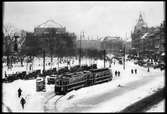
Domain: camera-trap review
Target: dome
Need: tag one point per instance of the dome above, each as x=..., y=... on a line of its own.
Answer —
x=50, y=24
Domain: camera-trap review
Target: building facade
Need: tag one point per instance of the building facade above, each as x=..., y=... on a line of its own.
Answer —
x=112, y=44
x=51, y=37
x=148, y=41
x=139, y=30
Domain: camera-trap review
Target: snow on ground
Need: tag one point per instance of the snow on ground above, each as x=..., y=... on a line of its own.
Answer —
x=106, y=97
x=38, y=65
x=160, y=107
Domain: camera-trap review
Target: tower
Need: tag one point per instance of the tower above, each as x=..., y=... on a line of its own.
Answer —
x=140, y=24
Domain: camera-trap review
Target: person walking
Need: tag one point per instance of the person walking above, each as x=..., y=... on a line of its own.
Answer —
x=148, y=70
x=19, y=92
x=131, y=71
x=115, y=73
x=5, y=75
x=118, y=73
x=22, y=101
x=135, y=71
x=110, y=65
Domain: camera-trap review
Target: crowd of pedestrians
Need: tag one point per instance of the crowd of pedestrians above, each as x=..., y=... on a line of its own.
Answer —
x=134, y=71
x=117, y=73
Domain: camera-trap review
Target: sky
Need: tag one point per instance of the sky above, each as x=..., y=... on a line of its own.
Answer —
x=95, y=19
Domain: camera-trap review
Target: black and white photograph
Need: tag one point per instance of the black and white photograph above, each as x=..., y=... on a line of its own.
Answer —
x=83, y=56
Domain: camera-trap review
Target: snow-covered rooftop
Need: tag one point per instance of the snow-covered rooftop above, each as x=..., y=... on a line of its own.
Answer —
x=110, y=38
x=144, y=36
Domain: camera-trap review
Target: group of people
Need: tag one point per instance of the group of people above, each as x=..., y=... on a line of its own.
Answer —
x=133, y=71
x=22, y=101
x=117, y=73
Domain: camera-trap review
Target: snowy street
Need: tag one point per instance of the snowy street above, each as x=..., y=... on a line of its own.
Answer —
x=106, y=97
x=83, y=57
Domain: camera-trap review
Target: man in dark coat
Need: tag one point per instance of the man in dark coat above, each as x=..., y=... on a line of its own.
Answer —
x=115, y=73
x=131, y=71
x=118, y=73
x=22, y=101
x=5, y=75
x=135, y=71
x=148, y=70
x=19, y=92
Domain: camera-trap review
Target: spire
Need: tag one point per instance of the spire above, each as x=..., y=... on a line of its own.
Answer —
x=140, y=22
x=140, y=18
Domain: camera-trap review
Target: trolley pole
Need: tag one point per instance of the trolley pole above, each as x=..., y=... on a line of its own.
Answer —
x=43, y=61
x=80, y=52
x=104, y=57
x=124, y=57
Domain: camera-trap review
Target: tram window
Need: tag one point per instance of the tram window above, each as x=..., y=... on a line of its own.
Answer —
x=65, y=82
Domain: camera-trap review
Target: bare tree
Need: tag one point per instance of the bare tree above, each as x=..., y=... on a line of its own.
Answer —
x=9, y=31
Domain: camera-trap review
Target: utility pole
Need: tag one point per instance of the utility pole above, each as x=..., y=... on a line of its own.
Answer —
x=43, y=61
x=80, y=51
x=87, y=40
x=124, y=56
x=124, y=51
x=104, y=58
x=51, y=48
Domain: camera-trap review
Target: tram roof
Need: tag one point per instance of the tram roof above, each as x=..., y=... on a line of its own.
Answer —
x=98, y=70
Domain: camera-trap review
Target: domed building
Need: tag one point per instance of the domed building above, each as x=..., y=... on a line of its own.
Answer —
x=148, y=42
x=48, y=27
x=51, y=37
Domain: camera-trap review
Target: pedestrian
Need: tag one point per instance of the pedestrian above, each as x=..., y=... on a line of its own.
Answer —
x=135, y=71
x=22, y=102
x=5, y=75
x=118, y=73
x=19, y=92
x=131, y=71
x=115, y=73
x=148, y=70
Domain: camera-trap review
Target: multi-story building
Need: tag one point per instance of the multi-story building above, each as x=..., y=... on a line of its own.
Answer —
x=139, y=30
x=89, y=44
x=51, y=37
x=112, y=44
x=153, y=42
x=148, y=41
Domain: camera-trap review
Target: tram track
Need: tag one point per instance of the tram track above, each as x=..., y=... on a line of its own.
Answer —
x=7, y=107
x=48, y=99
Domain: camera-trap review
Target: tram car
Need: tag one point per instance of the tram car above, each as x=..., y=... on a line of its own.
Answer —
x=51, y=79
x=74, y=68
x=63, y=70
x=72, y=81
x=48, y=72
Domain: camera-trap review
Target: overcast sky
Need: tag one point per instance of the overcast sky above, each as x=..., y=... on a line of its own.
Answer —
x=94, y=18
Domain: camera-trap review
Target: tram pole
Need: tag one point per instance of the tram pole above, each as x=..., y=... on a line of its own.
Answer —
x=104, y=57
x=43, y=61
x=80, y=52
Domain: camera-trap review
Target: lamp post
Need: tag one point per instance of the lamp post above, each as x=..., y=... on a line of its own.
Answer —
x=80, y=52
x=43, y=60
x=104, y=58
x=124, y=55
